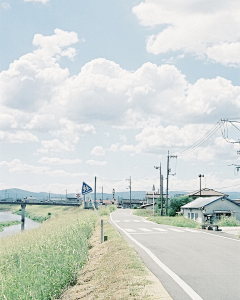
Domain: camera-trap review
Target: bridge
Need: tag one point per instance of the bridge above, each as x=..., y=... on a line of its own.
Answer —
x=24, y=202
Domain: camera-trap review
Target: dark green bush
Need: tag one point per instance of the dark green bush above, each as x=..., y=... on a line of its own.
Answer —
x=176, y=203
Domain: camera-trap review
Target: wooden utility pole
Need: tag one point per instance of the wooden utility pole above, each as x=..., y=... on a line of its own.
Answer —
x=168, y=173
x=95, y=190
x=166, y=202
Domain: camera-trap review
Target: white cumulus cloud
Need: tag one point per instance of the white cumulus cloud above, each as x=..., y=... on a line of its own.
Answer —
x=96, y=163
x=98, y=151
x=192, y=27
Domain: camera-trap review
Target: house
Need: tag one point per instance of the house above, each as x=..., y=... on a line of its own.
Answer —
x=148, y=206
x=125, y=203
x=210, y=209
x=149, y=196
x=206, y=193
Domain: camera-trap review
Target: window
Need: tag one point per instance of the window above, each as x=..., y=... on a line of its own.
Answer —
x=196, y=216
x=192, y=215
x=189, y=215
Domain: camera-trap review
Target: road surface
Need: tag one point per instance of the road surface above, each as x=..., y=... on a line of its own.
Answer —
x=190, y=263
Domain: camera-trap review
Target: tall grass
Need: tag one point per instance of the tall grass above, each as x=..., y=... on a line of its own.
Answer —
x=39, y=264
x=179, y=221
x=228, y=221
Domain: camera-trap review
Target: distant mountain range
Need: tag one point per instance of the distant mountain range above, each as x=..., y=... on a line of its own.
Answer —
x=18, y=193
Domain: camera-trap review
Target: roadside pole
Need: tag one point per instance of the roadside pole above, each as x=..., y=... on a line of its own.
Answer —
x=23, y=216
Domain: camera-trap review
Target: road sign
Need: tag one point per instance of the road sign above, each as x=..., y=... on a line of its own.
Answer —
x=86, y=189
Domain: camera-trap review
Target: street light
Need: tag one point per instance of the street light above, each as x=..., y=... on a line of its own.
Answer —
x=200, y=176
x=153, y=189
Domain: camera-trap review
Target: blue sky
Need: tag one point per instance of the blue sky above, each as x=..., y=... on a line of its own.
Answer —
x=106, y=88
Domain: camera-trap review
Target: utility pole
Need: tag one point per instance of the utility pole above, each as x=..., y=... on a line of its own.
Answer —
x=153, y=189
x=130, y=187
x=168, y=173
x=160, y=187
x=95, y=188
x=166, y=202
x=102, y=193
x=200, y=176
x=161, y=191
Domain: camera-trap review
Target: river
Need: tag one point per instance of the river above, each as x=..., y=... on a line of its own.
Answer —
x=14, y=229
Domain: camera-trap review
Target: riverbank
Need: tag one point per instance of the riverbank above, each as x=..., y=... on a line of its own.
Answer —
x=41, y=263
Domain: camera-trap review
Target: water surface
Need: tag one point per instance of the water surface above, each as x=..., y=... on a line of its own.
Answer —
x=15, y=229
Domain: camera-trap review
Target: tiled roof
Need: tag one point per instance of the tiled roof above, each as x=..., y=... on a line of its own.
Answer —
x=202, y=201
x=206, y=192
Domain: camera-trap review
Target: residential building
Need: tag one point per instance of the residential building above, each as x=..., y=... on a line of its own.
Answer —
x=206, y=193
x=210, y=209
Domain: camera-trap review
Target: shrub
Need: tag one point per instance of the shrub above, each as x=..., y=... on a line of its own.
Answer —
x=176, y=203
x=228, y=221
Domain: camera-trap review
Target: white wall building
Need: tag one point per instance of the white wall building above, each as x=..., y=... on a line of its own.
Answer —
x=210, y=209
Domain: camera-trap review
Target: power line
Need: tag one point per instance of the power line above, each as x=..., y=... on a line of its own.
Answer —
x=203, y=139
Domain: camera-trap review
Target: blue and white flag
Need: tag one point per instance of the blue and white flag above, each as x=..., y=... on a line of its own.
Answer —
x=86, y=189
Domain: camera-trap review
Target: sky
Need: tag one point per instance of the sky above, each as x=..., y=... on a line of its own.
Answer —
x=106, y=88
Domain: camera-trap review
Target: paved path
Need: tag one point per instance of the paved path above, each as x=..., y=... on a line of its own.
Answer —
x=191, y=264
x=231, y=230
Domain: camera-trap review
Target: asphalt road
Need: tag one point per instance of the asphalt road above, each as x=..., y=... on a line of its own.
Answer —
x=191, y=264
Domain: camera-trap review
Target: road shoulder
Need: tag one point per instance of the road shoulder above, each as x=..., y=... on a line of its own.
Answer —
x=115, y=271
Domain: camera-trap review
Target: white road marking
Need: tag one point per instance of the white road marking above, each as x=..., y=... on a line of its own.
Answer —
x=191, y=230
x=144, y=229
x=177, y=230
x=191, y=293
x=130, y=230
x=137, y=221
x=160, y=229
x=127, y=221
x=117, y=221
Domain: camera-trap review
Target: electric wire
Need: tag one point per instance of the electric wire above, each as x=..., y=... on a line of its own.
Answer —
x=203, y=139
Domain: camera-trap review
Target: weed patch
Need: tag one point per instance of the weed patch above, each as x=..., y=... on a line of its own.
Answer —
x=228, y=221
x=39, y=264
x=8, y=223
x=114, y=271
x=179, y=221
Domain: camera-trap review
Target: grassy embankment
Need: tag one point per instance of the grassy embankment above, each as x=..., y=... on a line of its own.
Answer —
x=114, y=271
x=40, y=263
x=179, y=221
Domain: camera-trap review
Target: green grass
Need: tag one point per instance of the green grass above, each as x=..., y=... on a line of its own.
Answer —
x=39, y=264
x=34, y=216
x=179, y=221
x=228, y=221
x=106, y=210
x=8, y=223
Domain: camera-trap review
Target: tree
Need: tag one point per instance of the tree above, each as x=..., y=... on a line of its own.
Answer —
x=176, y=203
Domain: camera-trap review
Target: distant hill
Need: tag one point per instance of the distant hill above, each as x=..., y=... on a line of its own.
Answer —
x=18, y=193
